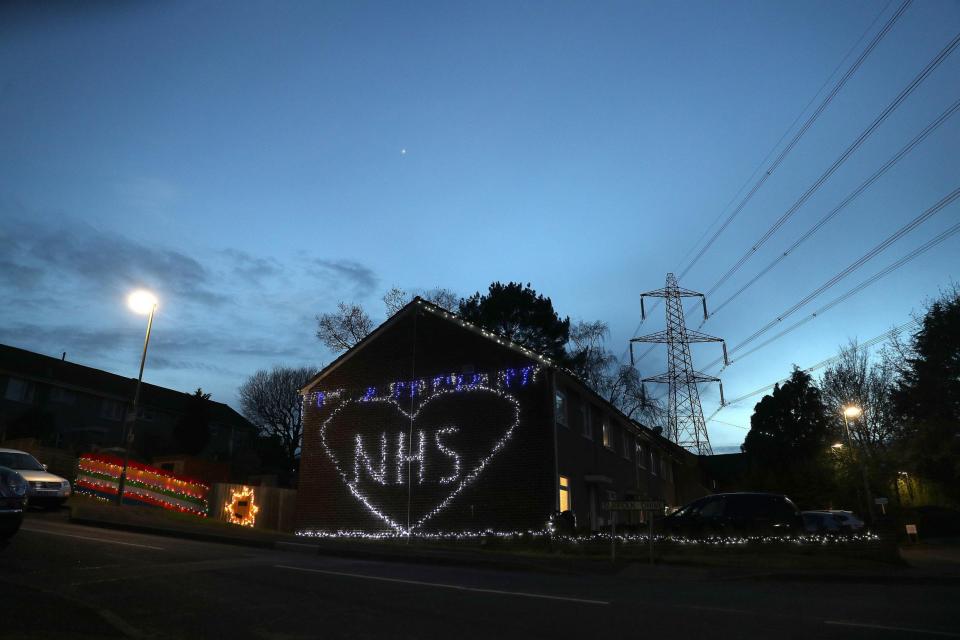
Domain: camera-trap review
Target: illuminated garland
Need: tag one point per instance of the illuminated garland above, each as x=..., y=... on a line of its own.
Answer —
x=241, y=508
x=500, y=380
x=545, y=535
x=361, y=458
x=98, y=476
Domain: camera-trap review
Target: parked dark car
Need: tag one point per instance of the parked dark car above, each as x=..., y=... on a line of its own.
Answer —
x=736, y=514
x=823, y=522
x=13, y=498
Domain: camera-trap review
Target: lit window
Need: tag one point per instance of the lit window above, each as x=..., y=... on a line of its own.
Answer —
x=585, y=425
x=607, y=439
x=560, y=407
x=564, y=494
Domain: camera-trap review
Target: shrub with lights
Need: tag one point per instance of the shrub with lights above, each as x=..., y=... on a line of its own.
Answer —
x=98, y=476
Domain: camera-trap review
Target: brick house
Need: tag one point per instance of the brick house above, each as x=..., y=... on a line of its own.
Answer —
x=78, y=408
x=431, y=424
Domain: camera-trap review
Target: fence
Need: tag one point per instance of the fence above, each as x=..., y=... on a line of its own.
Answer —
x=275, y=506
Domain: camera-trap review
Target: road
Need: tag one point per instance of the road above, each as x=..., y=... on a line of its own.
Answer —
x=59, y=580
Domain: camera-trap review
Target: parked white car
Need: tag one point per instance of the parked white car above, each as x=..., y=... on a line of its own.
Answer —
x=43, y=487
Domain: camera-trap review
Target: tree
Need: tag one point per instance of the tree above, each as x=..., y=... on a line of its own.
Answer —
x=350, y=323
x=855, y=381
x=601, y=371
x=191, y=433
x=520, y=314
x=271, y=401
x=927, y=397
x=396, y=298
x=787, y=447
x=345, y=327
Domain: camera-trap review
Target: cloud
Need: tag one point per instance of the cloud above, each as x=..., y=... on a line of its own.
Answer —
x=247, y=267
x=19, y=276
x=78, y=251
x=360, y=278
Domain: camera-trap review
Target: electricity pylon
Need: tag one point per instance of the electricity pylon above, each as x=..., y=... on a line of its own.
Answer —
x=685, y=423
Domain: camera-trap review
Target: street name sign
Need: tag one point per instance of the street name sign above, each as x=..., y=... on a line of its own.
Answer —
x=633, y=505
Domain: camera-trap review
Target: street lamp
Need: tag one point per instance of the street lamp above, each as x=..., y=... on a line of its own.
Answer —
x=852, y=412
x=142, y=302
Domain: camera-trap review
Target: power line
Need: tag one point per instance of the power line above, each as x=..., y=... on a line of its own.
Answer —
x=866, y=133
x=863, y=55
x=863, y=285
x=803, y=129
x=902, y=231
x=783, y=136
x=883, y=337
x=730, y=424
x=943, y=117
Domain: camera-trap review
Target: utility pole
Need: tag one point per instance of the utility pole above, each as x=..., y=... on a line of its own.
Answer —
x=685, y=423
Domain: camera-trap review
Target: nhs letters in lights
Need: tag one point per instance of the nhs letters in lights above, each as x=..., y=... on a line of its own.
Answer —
x=407, y=450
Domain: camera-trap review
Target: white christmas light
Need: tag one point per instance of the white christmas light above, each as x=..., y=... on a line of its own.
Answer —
x=361, y=459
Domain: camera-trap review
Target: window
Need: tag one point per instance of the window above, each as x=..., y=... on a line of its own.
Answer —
x=564, y=494
x=62, y=396
x=585, y=426
x=641, y=455
x=111, y=410
x=627, y=444
x=19, y=390
x=560, y=407
x=654, y=462
x=607, y=435
x=145, y=414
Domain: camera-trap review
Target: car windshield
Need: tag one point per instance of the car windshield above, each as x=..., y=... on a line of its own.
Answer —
x=19, y=461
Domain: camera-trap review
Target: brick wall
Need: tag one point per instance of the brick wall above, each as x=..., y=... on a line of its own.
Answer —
x=516, y=490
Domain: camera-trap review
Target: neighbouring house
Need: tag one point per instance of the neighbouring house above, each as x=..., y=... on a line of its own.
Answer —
x=70, y=406
x=433, y=425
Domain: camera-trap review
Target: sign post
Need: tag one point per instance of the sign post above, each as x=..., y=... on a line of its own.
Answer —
x=883, y=504
x=613, y=536
x=647, y=506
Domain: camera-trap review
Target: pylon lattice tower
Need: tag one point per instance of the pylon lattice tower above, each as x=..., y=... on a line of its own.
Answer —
x=685, y=424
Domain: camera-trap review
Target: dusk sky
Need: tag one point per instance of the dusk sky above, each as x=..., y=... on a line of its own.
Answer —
x=256, y=163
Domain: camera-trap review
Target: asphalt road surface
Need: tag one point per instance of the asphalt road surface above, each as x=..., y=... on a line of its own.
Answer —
x=59, y=580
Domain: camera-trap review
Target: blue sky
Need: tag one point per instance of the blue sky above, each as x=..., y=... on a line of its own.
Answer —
x=246, y=161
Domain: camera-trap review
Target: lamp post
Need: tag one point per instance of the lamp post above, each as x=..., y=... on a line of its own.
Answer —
x=142, y=302
x=852, y=412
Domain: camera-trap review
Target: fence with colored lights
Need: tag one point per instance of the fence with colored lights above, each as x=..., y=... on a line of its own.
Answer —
x=98, y=475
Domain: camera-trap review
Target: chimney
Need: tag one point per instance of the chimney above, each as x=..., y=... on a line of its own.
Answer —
x=63, y=358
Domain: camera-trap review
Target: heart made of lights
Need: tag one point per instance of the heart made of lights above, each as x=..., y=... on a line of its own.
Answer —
x=391, y=405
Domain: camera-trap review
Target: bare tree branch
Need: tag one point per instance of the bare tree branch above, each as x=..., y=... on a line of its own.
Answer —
x=271, y=401
x=343, y=328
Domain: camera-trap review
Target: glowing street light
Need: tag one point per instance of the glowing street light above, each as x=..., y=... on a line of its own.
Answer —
x=143, y=302
x=837, y=445
x=852, y=412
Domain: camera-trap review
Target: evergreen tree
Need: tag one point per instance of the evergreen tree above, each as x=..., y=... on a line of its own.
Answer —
x=927, y=398
x=788, y=445
x=520, y=314
x=191, y=433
